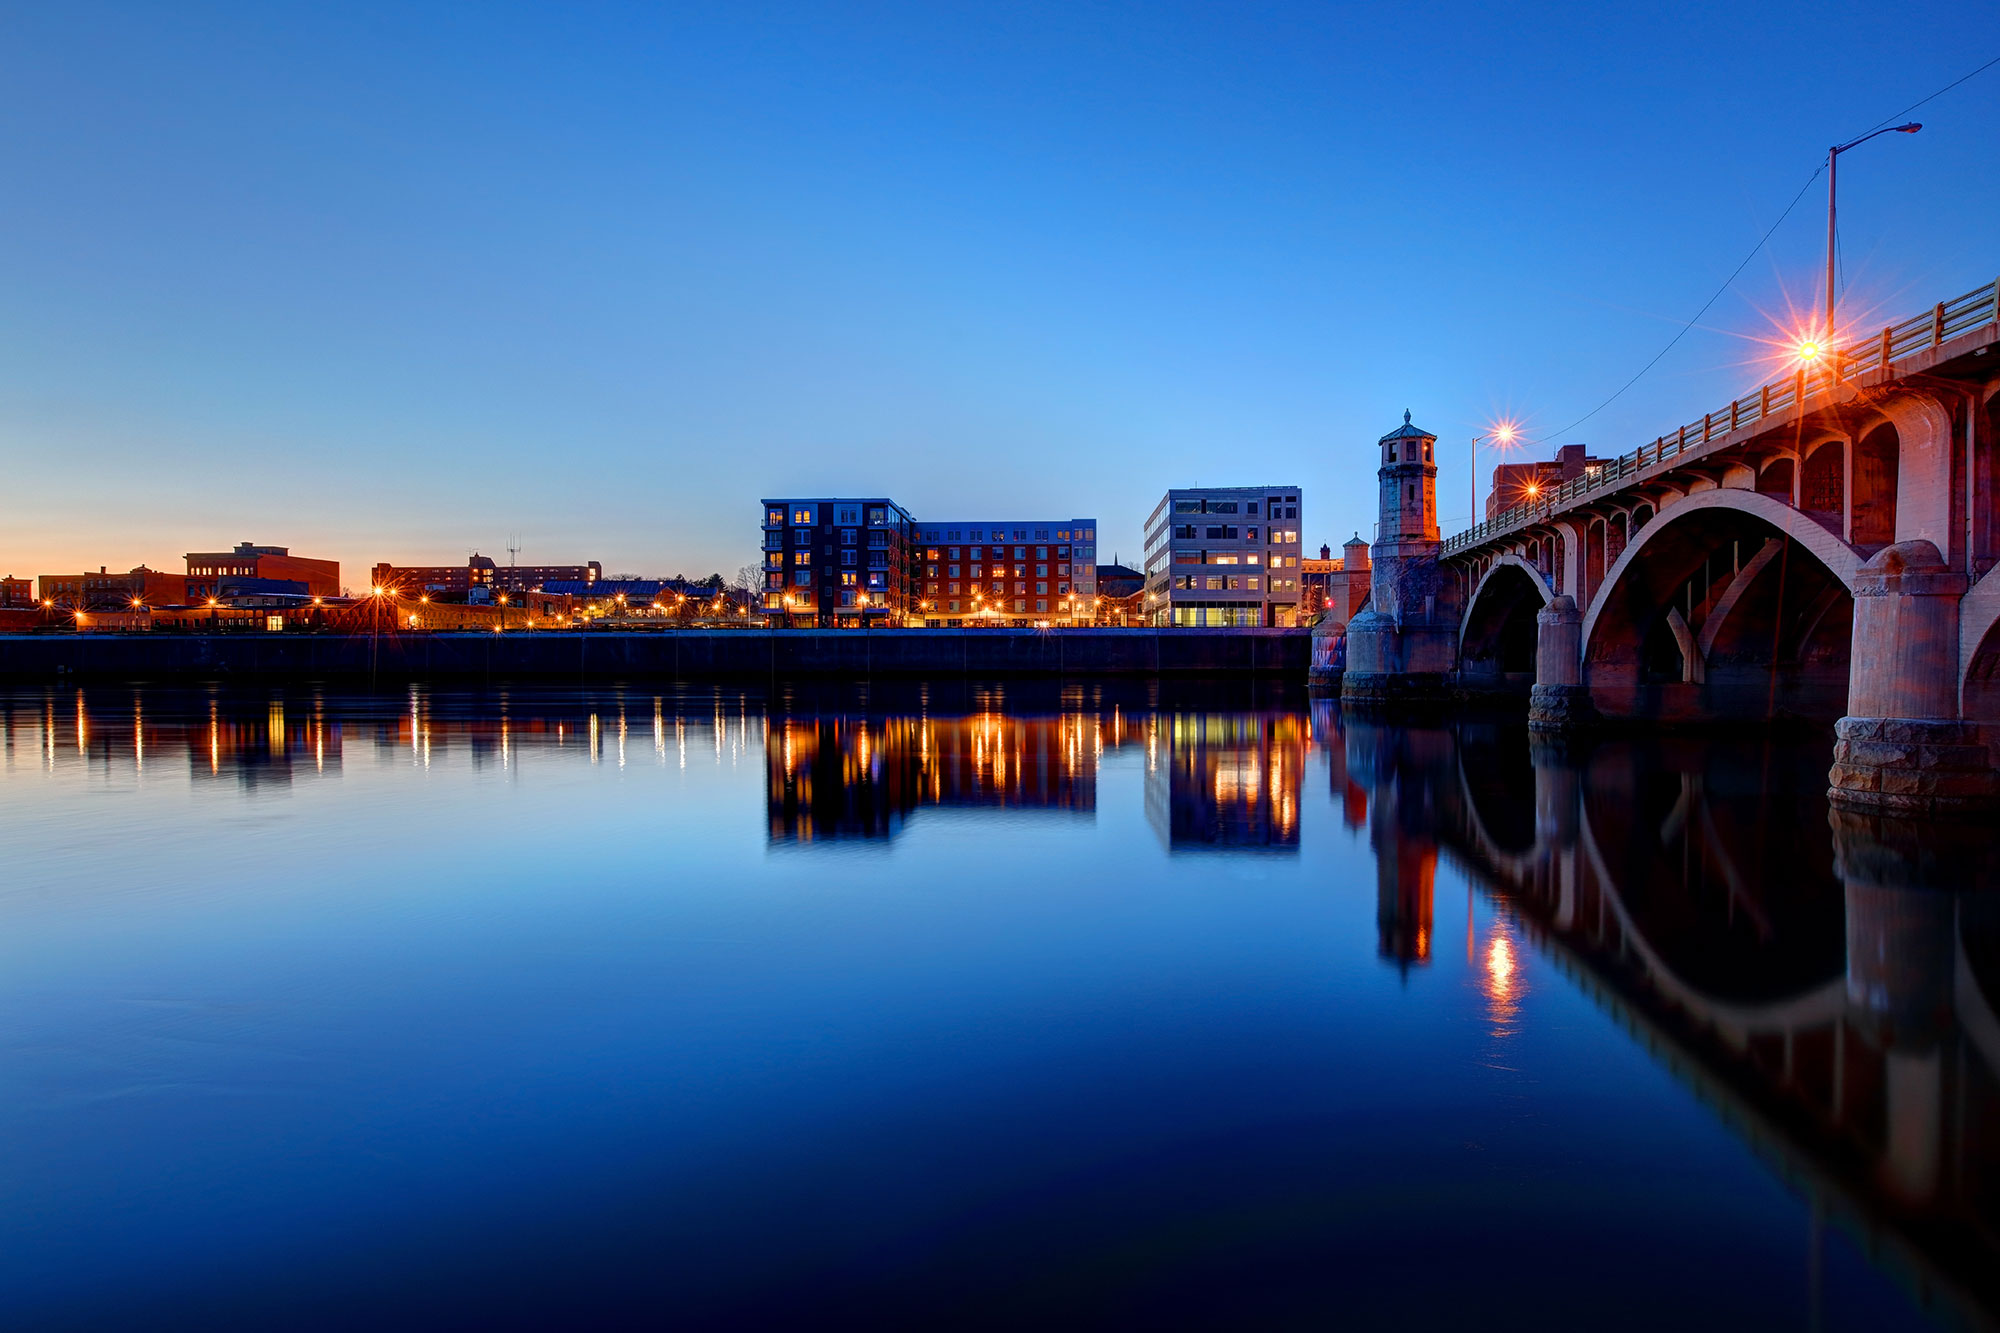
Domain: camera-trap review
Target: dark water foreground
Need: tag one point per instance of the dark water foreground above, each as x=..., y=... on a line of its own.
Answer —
x=1003, y=1005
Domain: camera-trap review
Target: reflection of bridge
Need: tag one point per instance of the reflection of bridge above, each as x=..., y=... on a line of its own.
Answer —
x=1829, y=996
x=1821, y=547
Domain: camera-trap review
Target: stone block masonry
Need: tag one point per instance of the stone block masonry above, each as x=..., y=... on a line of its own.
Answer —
x=687, y=654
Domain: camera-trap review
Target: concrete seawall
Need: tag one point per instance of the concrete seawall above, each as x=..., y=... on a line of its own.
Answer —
x=693, y=654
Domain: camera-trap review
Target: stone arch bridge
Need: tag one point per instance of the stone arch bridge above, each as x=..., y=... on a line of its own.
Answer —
x=1823, y=548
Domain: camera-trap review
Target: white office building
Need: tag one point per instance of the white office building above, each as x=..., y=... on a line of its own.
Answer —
x=1224, y=556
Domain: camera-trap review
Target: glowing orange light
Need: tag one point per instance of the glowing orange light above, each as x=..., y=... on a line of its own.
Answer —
x=1506, y=432
x=1807, y=351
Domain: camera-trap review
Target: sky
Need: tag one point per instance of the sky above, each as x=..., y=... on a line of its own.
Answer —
x=398, y=282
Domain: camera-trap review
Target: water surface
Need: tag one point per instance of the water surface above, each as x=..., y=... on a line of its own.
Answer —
x=968, y=1005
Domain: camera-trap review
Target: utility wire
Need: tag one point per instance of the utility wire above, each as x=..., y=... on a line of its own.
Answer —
x=1675, y=340
x=1754, y=250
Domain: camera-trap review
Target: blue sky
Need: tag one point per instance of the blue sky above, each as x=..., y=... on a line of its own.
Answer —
x=398, y=281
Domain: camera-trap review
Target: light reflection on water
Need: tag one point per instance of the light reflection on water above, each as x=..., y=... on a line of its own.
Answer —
x=970, y=1004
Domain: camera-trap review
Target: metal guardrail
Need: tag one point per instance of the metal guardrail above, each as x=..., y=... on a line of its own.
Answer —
x=1920, y=333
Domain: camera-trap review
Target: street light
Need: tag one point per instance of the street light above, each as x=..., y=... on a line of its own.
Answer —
x=1503, y=435
x=1832, y=162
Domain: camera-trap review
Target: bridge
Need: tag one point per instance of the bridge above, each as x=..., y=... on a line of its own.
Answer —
x=1822, y=549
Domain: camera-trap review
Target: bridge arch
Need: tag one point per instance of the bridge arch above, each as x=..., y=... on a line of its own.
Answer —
x=1729, y=602
x=1496, y=639
x=1979, y=650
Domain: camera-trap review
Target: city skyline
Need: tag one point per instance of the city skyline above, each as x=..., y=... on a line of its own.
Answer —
x=400, y=285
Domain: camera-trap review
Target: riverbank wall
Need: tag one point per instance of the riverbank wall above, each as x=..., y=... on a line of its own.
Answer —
x=687, y=654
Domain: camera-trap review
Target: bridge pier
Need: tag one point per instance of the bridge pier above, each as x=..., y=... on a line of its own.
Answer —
x=1902, y=746
x=1560, y=701
x=1404, y=648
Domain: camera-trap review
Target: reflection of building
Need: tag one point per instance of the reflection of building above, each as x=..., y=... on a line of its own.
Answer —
x=1006, y=573
x=1227, y=780
x=1224, y=556
x=260, y=569
x=862, y=777
x=1405, y=886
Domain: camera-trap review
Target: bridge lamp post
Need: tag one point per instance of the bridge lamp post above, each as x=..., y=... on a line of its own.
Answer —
x=1832, y=162
x=1504, y=436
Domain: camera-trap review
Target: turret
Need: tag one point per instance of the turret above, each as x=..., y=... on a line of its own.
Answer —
x=1409, y=485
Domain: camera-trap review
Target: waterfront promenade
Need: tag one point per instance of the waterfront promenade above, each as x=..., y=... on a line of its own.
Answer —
x=687, y=654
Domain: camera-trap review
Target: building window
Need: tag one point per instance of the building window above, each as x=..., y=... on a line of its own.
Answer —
x=1041, y=604
x=954, y=587
x=802, y=577
x=847, y=557
x=802, y=517
x=1042, y=587
x=975, y=571
x=802, y=557
x=1020, y=603
x=954, y=605
x=1042, y=552
x=847, y=578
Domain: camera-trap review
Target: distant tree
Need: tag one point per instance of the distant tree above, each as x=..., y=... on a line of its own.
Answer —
x=749, y=579
x=713, y=583
x=627, y=577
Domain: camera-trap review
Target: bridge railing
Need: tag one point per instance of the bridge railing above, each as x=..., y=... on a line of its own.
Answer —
x=1919, y=333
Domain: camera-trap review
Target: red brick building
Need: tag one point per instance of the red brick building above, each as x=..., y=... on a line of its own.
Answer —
x=1515, y=484
x=107, y=591
x=209, y=573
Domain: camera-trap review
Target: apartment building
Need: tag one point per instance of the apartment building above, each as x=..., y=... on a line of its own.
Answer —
x=1023, y=571
x=835, y=562
x=480, y=572
x=1224, y=556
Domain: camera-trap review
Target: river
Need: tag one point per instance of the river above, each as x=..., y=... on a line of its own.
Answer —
x=972, y=1005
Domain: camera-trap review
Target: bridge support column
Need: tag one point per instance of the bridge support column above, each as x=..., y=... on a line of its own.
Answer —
x=1901, y=746
x=1560, y=701
x=1329, y=655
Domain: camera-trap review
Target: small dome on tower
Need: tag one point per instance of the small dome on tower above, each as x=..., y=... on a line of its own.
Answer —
x=1407, y=432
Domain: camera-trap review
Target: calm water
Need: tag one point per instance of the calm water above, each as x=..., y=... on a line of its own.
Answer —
x=957, y=1007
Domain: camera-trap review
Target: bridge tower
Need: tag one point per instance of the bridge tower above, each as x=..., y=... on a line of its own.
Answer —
x=1405, y=645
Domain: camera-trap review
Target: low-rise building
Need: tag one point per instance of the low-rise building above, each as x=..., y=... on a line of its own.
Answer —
x=1516, y=484
x=16, y=592
x=213, y=573
x=1021, y=571
x=1224, y=556
x=1335, y=586
x=1121, y=595
x=839, y=562
x=105, y=590
x=478, y=572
